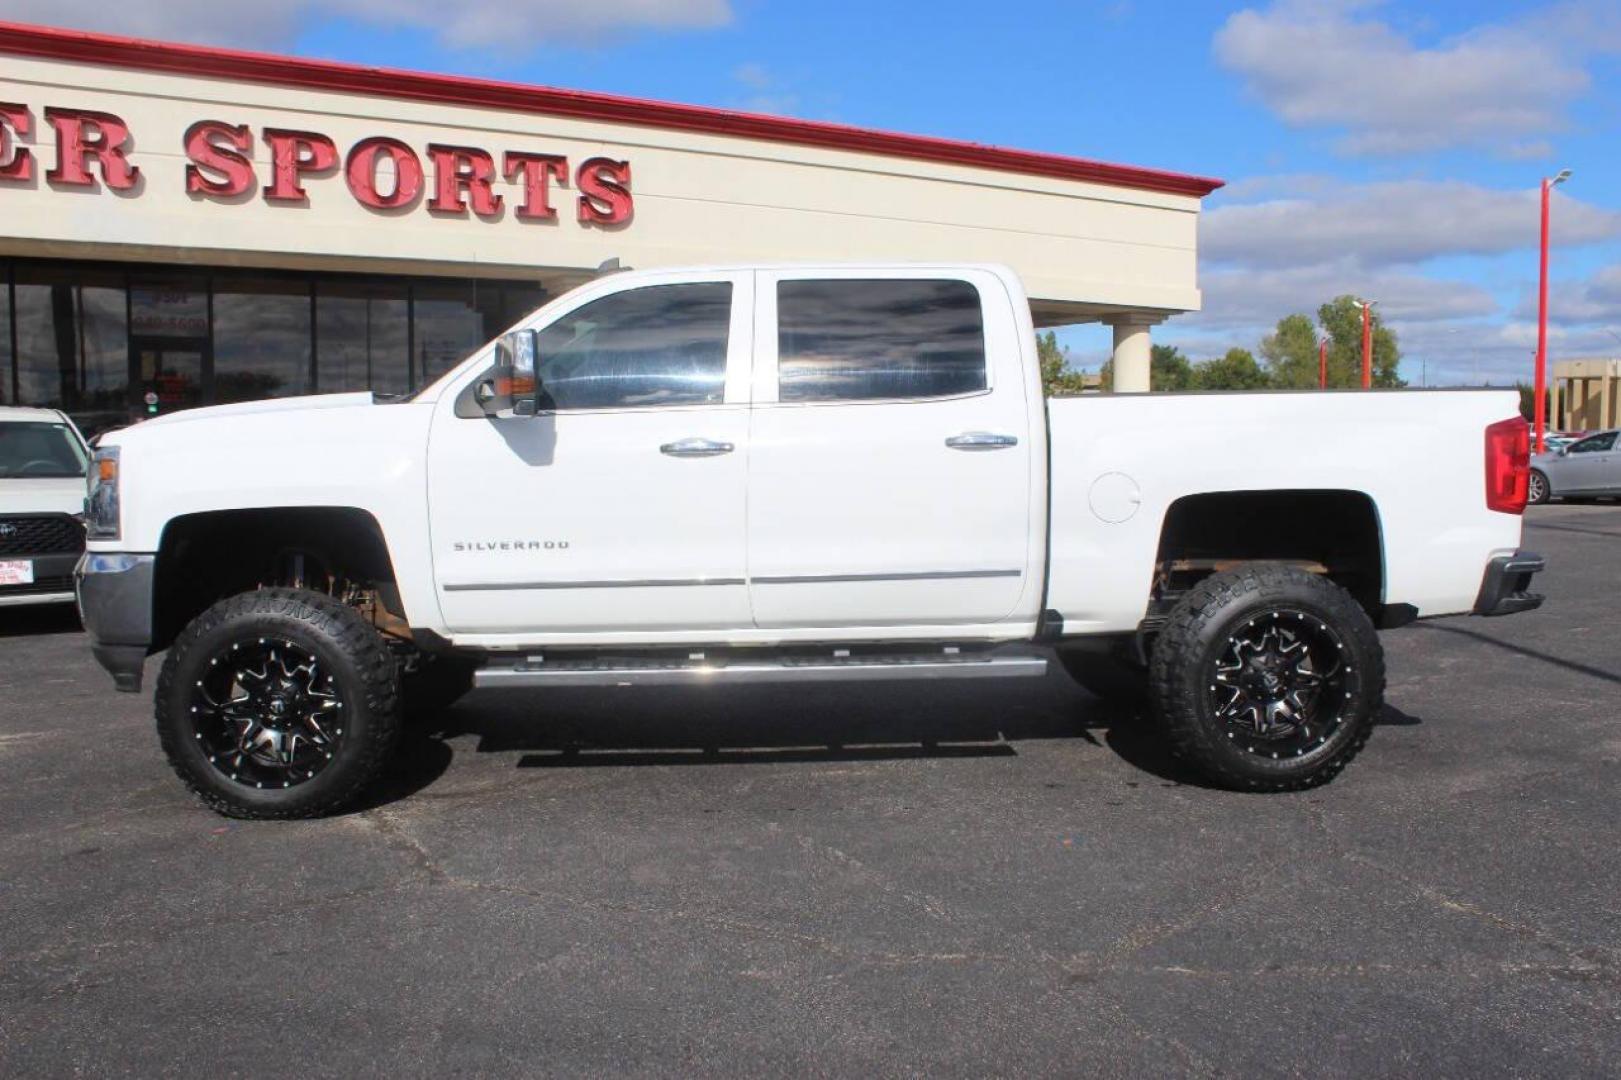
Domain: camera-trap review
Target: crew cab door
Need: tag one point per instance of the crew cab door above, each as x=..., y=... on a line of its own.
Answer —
x=890, y=476
x=619, y=507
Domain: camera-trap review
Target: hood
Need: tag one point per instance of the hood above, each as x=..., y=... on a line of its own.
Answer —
x=42, y=495
x=308, y=403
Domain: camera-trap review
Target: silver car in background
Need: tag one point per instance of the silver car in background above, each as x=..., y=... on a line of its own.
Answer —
x=1591, y=466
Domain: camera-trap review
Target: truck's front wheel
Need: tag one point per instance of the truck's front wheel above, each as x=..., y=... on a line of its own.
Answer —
x=1267, y=678
x=278, y=703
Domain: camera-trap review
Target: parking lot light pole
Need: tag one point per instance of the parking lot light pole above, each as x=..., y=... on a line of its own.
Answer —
x=1540, y=405
x=1322, y=364
x=1367, y=341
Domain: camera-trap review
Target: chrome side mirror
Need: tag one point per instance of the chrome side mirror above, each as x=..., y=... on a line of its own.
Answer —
x=512, y=386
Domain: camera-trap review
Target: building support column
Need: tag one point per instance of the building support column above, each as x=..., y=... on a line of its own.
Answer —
x=1133, y=352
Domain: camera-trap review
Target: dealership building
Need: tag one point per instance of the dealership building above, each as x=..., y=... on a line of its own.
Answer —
x=183, y=225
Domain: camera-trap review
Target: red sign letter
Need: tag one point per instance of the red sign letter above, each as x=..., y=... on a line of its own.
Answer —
x=538, y=171
x=83, y=135
x=456, y=168
x=219, y=148
x=361, y=173
x=292, y=154
x=604, y=191
x=16, y=163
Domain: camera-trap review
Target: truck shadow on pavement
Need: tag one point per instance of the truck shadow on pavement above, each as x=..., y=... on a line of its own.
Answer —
x=746, y=726
x=31, y=620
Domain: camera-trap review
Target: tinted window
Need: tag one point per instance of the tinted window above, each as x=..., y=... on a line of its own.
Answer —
x=1594, y=444
x=261, y=338
x=657, y=345
x=362, y=337
x=853, y=340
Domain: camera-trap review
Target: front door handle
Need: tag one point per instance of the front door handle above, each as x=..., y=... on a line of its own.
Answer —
x=981, y=440
x=696, y=447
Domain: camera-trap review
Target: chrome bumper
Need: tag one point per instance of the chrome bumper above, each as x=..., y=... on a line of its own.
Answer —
x=114, y=591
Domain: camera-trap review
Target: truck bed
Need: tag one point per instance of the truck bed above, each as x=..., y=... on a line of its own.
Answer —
x=1119, y=462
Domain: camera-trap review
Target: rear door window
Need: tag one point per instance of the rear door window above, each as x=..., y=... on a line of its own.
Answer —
x=878, y=339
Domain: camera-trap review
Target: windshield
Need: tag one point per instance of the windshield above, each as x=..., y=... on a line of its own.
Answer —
x=39, y=450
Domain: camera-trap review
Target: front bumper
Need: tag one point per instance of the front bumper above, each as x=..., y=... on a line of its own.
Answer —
x=53, y=580
x=1505, y=589
x=115, y=602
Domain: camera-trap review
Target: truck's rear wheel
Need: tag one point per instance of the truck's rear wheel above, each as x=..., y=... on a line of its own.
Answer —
x=1267, y=678
x=278, y=703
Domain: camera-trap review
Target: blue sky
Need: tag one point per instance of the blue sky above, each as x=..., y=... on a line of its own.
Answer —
x=1387, y=149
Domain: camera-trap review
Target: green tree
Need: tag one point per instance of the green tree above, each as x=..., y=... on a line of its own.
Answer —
x=1342, y=319
x=1058, y=379
x=1290, y=352
x=1236, y=370
x=1169, y=369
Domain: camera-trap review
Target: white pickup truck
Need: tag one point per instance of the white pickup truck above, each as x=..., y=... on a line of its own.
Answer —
x=785, y=473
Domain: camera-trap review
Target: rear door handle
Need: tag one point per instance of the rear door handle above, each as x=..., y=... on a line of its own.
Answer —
x=981, y=440
x=696, y=447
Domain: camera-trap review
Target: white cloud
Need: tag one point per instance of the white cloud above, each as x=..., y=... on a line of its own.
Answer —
x=766, y=92
x=1258, y=298
x=1593, y=301
x=1504, y=87
x=1406, y=221
x=753, y=75
x=466, y=24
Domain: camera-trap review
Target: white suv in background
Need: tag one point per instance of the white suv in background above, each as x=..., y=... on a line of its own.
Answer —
x=42, y=464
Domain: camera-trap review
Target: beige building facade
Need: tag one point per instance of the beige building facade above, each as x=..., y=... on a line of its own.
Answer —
x=181, y=175
x=1586, y=394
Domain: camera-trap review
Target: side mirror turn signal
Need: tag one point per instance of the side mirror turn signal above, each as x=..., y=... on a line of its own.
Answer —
x=512, y=388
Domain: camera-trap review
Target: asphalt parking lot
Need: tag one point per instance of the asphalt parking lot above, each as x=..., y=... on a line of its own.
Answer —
x=953, y=879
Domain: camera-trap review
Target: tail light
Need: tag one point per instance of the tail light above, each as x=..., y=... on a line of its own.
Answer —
x=1508, y=465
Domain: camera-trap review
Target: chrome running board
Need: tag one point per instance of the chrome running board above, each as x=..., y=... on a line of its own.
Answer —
x=699, y=670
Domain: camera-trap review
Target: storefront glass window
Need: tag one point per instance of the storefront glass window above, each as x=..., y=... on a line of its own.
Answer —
x=448, y=328
x=103, y=399
x=72, y=349
x=502, y=305
x=169, y=340
x=111, y=344
x=5, y=335
x=361, y=338
x=261, y=338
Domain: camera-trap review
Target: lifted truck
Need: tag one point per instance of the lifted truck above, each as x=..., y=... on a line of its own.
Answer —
x=804, y=473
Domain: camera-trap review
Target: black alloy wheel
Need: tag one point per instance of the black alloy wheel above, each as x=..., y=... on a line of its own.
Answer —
x=1279, y=684
x=1267, y=678
x=267, y=713
x=278, y=703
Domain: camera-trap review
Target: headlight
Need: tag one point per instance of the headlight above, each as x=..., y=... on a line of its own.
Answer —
x=101, y=504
